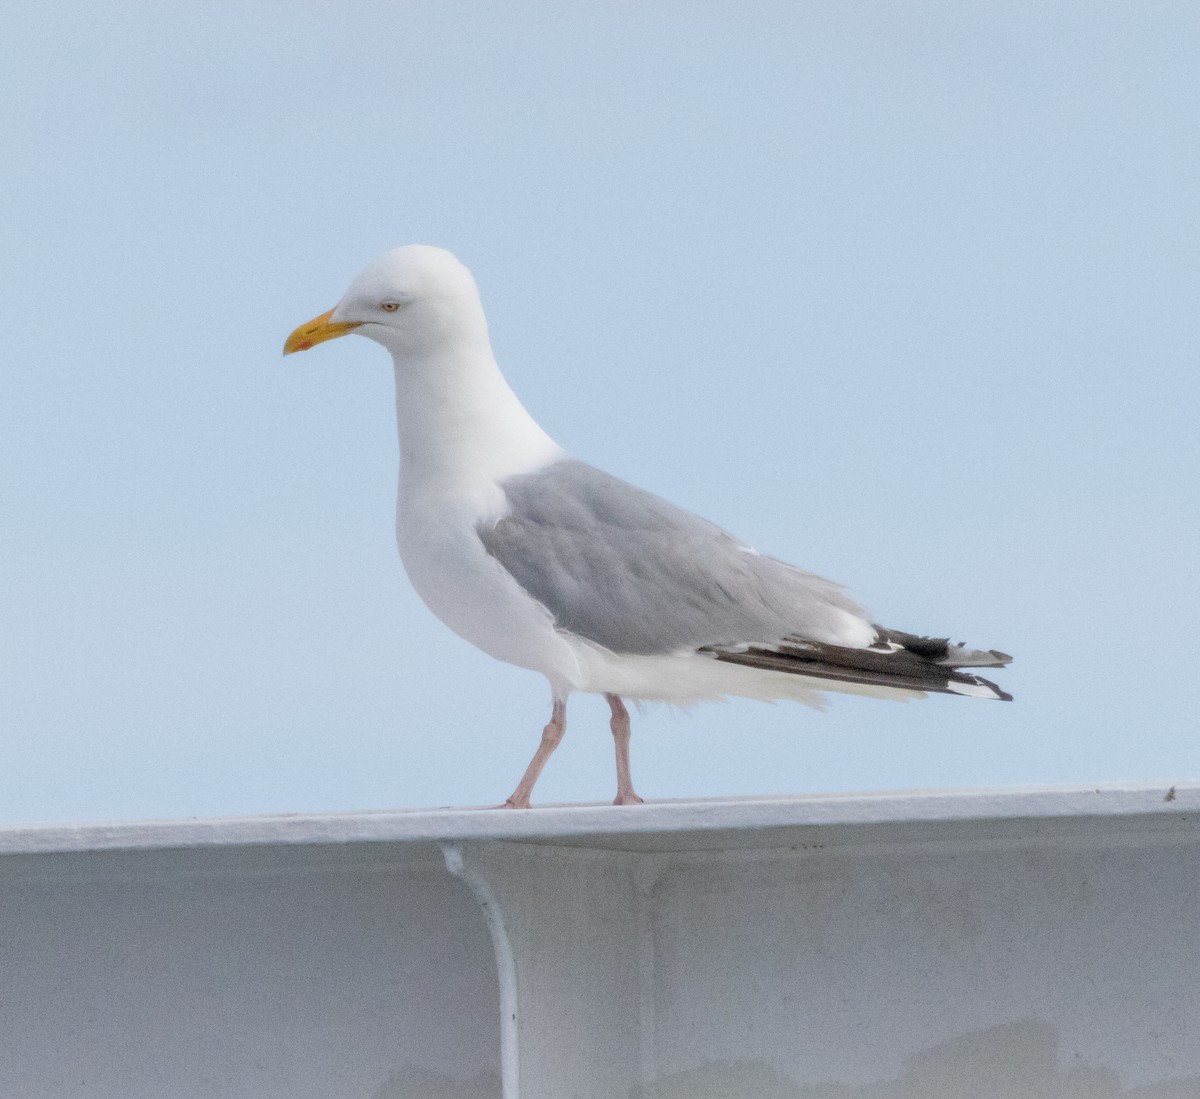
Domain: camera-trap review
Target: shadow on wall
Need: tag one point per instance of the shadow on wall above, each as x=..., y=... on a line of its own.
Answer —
x=1013, y=1061
x=415, y=1083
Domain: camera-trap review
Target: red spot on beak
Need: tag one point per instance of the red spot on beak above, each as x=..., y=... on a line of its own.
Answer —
x=303, y=346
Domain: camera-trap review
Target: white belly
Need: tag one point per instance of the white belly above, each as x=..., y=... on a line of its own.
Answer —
x=473, y=594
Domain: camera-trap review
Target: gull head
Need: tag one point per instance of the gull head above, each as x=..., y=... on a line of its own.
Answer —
x=413, y=300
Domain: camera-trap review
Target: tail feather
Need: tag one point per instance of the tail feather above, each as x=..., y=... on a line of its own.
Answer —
x=901, y=660
x=939, y=650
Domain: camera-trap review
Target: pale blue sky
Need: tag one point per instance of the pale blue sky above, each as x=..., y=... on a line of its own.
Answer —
x=906, y=293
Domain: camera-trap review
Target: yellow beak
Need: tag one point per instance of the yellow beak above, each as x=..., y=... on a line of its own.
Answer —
x=318, y=330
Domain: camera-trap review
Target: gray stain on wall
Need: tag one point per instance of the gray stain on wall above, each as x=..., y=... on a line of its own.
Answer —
x=1014, y=1061
x=1017, y=1060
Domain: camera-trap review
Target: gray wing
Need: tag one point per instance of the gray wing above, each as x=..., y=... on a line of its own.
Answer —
x=632, y=572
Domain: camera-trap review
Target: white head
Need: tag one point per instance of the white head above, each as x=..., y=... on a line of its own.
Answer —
x=455, y=411
x=415, y=300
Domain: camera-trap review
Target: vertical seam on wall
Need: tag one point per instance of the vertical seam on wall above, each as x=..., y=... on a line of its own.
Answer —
x=647, y=870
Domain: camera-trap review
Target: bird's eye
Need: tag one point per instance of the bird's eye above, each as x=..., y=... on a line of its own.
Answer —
x=390, y=306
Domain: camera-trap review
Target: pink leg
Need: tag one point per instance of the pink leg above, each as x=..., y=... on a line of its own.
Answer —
x=552, y=736
x=626, y=795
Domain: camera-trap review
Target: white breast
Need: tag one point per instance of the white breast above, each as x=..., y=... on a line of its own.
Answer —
x=473, y=594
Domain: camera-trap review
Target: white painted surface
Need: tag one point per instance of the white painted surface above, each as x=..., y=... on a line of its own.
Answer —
x=247, y=973
x=1000, y=945
x=670, y=821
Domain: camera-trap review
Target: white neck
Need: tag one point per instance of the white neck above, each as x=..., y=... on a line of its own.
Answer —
x=460, y=425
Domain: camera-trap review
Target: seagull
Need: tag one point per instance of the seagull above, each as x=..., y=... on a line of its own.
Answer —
x=546, y=562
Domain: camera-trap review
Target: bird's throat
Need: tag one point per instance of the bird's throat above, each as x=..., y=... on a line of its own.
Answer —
x=459, y=422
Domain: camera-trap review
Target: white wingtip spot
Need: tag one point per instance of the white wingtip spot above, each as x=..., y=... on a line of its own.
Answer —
x=974, y=690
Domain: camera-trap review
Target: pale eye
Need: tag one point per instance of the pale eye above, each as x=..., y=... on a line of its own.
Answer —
x=390, y=306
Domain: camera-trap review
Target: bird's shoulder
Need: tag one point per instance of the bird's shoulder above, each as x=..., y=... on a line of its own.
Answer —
x=573, y=495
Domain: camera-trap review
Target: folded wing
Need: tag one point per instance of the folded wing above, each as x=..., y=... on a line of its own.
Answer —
x=634, y=573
